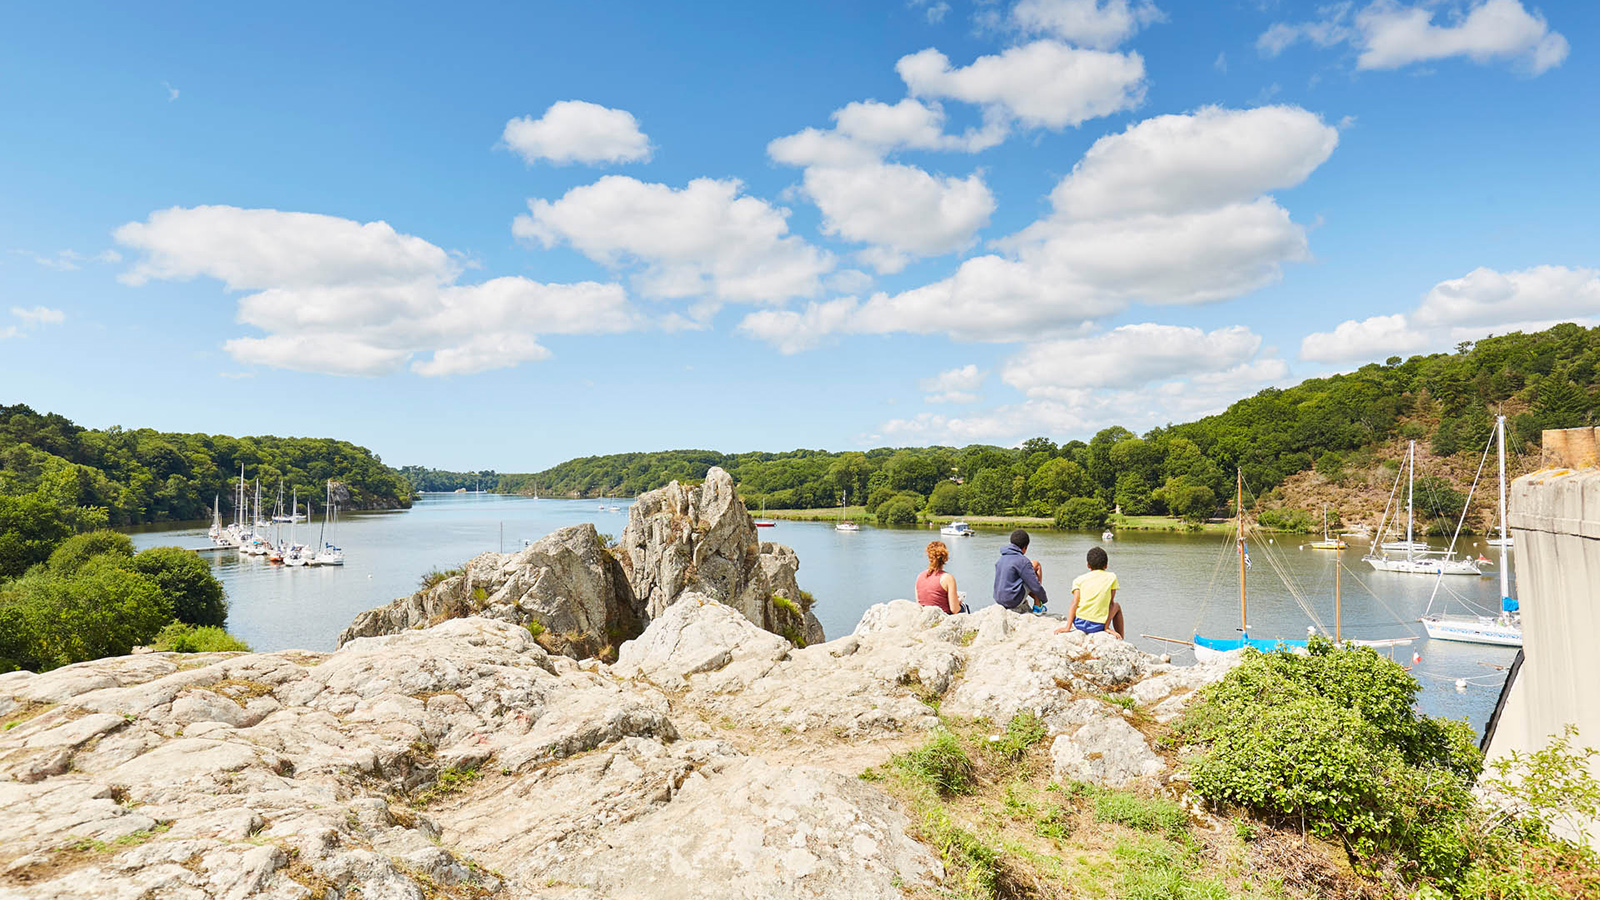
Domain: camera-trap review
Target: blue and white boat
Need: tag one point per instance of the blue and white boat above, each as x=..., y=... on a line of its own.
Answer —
x=1207, y=649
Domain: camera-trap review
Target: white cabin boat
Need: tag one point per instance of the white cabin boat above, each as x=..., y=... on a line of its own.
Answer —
x=957, y=529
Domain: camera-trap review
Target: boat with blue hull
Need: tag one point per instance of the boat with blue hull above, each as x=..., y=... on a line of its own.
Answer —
x=1207, y=649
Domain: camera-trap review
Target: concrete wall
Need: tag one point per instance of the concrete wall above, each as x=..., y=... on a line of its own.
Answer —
x=1555, y=520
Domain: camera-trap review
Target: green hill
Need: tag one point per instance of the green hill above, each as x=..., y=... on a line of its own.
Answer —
x=1301, y=445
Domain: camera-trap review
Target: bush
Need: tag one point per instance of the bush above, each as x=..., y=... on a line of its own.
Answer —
x=181, y=638
x=73, y=552
x=1295, y=520
x=31, y=526
x=941, y=764
x=48, y=619
x=1082, y=513
x=1329, y=738
x=196, y=594
x=897, y=510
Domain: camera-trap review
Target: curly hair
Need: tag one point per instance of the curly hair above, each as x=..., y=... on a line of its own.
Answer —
x=938, y=553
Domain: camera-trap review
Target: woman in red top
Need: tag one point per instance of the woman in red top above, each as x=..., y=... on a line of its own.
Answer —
x=936, y=587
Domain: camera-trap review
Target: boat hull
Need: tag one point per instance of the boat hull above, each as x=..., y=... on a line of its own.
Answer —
x=1425, y=566
x=1209, y=649
x=1473, y=630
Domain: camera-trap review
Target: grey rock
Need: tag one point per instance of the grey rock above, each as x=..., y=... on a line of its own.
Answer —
x=566, y=585
x=1105, y=751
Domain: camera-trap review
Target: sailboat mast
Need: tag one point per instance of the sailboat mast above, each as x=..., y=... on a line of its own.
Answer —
x=1244, y=619
x=1411, y=478
x=1505, y=577
x=1338, y=610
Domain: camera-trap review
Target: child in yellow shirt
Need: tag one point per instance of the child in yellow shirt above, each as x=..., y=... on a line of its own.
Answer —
x=1094, y=599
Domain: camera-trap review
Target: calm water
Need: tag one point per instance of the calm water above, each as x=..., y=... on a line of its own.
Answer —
x=1172, y=584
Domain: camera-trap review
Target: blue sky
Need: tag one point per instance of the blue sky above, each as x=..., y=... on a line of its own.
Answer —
x=504, y=235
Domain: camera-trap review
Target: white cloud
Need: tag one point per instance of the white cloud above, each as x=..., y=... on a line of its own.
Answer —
x=1202, y=160
x=1487, y=297
x=9, y=332
x=172, y=92
x=1482, y=302
x=955, y=386
x=1102, y=24
x=935, y=10
x=707, y=240
x=1083, y=412
x=349, y=298
x=577, y=131
x=39, y=315
x=1045, y=84
x=70, y=260
x=791, y=331
x=1390, y=34
x=1375, y=338
x=1129, y=356
x=1167, y=212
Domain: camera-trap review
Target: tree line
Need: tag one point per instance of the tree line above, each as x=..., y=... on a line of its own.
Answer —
x=140, y=475
x=1332, y=425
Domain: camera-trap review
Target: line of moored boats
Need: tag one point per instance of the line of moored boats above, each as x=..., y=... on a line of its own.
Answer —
x=253, y=535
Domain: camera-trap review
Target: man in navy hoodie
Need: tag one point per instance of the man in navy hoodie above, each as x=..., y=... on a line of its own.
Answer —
x=1016, y=577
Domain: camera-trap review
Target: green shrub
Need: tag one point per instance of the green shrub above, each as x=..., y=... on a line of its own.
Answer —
x=1082, y=513
x=196, y=594
x=48, y=619
x=945, y=499
x=941, y=764
x=180, y=637
x=1295, y=520
x=897, y=510
x=73, y=552
x=1329, y=738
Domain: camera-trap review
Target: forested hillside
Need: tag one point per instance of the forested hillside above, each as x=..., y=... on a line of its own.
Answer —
x=1344, y=430
x=142, y=475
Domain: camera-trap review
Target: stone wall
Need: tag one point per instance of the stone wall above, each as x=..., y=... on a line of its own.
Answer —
x=1555, y=522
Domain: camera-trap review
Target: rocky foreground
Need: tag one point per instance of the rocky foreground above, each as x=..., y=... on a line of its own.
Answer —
x=713, y=759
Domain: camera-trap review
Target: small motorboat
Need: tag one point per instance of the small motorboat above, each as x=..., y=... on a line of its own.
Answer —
x=957, y=529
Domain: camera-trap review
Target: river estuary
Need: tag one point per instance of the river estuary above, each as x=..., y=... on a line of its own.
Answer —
x=1171, y=584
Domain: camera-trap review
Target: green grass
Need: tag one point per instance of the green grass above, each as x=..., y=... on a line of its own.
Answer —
x=941, y=764
x=450, y=780
x=180, y=637
x=1164, y=523
x=1149, y=814
x=1156, y=869
x=1023, y=731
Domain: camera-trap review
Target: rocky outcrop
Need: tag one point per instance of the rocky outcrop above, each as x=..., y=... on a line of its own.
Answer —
x=464, y=759
x=701, y=539
x=566, y=587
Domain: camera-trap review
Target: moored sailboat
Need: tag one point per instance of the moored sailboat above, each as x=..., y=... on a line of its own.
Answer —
x=1207, y=649
x=1419, y=560
x=844, y=516
x=1505, y=629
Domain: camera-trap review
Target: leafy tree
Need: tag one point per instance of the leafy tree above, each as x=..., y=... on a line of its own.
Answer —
x=1133, y=494
x=1057, y=480
x=1082, y=514
x=72, y=553
x=945, y=499
x=1187, y=500
x=900, y=509
x=195, y=593
x=30, y=528
x=989, y=493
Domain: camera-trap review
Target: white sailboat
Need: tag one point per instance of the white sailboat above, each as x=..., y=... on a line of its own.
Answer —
x=296, y=554
x=844, y=517
x=1419, y=560
x=327, y=554
x=1327, y=543
x=1505, y=629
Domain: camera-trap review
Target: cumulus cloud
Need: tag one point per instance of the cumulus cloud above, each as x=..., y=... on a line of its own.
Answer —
x=1101, y=24
x=1373, y=338
x=1129, y=356
x=39, y=315
x=1390, y=34
x=342, y=297
x=1482, y=302
x=1083, y=412
x=1045, y=84
x=706, y=240
x=792, y=331
x=1169, y=211
x=955, y=386
x=575, y=131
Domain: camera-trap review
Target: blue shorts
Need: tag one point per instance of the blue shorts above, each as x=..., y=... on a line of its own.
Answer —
x=1088, y=627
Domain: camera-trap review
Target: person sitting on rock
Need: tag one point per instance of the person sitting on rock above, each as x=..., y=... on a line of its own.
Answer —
x=1016, y=577
x=1094, y=599
x=936, y=587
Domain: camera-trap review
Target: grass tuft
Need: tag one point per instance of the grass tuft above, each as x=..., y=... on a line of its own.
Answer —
x=941, y=764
